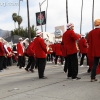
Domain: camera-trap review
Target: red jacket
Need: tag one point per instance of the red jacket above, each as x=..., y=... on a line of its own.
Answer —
x=2, y=52
x=30, y=49
x=20, y=49
x=94, y=42
x=10, y=52
x=69, y=40
x=58, y=49
x=64, y=54
x=83, y=45
x=40, y=47
x=53, y=47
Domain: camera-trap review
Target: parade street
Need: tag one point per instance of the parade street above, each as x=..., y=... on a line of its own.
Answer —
x=17, y=84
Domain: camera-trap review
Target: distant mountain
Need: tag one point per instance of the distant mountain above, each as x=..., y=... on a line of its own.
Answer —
x=5, y=33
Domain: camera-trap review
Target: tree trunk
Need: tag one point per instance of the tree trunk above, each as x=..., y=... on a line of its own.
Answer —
x=15, y=24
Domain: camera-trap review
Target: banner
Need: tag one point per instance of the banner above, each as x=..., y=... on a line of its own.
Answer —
x=40, y=18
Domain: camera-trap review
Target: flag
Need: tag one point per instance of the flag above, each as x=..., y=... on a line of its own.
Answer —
x=40, y=18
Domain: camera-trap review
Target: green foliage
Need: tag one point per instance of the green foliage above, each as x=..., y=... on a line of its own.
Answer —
x=24, y=32
x=20, y=31
x=14, y=17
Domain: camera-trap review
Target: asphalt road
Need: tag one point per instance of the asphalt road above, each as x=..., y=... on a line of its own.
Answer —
x=17, y=84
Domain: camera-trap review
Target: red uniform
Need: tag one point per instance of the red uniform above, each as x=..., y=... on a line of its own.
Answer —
x=2, y=52
x=40, y=48
x=94, y=47
x=83, y=45
x=30, y=50
x=58, y=49
x=20, y=49
x=10, y=54
x=69, y=40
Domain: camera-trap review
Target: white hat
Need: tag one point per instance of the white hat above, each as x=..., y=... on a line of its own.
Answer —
x=82, y=35
x=27, y=38
x=69, y=25
x=38, y=33
x=20, y=39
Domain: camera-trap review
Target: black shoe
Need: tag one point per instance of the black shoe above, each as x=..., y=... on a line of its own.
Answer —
x=43, y=77
x=26, y=69
x=32, y=70
x=93, y=80
x=89, y=70
x=77, y=78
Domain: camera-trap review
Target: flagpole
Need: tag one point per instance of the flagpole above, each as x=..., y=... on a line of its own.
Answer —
x=40, y=18
x=40, y=4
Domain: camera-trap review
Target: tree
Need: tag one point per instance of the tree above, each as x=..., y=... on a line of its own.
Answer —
x=14, y=17
x=19, y=20
x=24, y=32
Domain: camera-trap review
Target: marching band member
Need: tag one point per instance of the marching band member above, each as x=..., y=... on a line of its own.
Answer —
x=94, y=48
x=9, y=55
x=31, y=54
x=40, y=53
x=21, y=51
x=58, y=52
x=2, y=54
x=69, y=40
x=83, y=47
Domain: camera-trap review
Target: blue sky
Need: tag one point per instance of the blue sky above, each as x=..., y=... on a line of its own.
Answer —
x=56, y=14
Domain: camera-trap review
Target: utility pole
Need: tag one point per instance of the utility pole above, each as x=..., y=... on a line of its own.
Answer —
x=93, y=15
x=67, y=11
x=40, y=4
x=46, y=16
x=81, y=18
x=40, y=18
x=28, y=22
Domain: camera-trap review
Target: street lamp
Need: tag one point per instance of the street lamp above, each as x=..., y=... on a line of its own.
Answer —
x=28, y=22
x=40, y=4
x=19, y=7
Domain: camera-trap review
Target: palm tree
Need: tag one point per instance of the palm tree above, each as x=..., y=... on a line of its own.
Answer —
x=19, y=20
x=14, y=17
x=67, y=11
